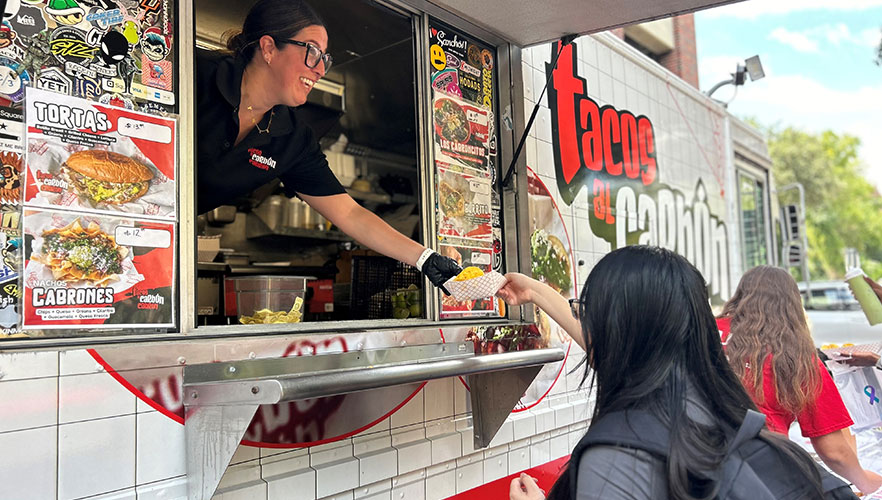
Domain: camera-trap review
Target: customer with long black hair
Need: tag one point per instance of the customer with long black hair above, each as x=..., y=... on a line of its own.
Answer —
x=651, y=344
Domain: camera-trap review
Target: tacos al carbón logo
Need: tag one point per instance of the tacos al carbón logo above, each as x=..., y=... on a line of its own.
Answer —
x=592, y=141
x=612, y=152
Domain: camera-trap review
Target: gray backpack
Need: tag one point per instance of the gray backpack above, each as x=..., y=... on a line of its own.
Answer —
x=751, y=470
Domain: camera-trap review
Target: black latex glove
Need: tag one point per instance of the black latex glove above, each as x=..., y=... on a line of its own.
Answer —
x=439, y=269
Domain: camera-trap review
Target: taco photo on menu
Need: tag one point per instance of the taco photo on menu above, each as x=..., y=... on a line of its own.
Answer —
x=107, y=177
x=451, y=121
x=77, y=254
x=550, y=260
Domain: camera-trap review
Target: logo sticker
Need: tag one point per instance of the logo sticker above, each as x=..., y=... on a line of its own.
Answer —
x=258, y=160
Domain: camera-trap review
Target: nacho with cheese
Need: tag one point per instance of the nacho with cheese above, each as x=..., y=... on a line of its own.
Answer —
x=74, y=254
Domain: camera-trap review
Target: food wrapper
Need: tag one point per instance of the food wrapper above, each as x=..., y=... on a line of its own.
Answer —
x=476, y=288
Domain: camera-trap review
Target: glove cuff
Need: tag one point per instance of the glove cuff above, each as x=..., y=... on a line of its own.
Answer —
x=423, y=258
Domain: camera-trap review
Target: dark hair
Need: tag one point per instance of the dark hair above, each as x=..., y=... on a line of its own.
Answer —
x=280, y=19
x=650, y=332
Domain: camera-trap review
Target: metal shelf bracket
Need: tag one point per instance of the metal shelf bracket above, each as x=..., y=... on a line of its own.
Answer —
x=220, y=399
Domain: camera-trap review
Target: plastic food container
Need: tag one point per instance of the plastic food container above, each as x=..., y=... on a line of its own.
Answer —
x=269, y=299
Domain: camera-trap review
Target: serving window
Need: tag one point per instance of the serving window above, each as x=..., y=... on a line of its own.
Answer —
x=409, y=119
x=412, y=138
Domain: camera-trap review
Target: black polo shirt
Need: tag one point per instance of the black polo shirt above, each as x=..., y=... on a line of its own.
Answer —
x=289, y=151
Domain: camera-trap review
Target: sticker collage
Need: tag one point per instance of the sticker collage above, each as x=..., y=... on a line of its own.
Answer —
x=87, y=203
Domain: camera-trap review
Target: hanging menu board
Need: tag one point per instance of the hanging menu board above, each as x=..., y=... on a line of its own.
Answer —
x=99, y=218
x=463, y=79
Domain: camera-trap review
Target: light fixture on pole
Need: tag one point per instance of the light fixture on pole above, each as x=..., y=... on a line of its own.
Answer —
x=751, y=67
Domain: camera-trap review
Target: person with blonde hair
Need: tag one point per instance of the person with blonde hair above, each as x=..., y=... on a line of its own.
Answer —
x=771, y=351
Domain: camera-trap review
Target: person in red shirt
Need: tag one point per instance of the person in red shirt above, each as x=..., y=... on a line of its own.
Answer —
x=764, y=324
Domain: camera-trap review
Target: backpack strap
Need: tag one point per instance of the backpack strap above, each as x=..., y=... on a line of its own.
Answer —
x=636, y=429
x=753, y=423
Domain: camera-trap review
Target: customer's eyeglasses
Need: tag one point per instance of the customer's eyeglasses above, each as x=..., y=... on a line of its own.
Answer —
x=313, y=54
x=575, y=304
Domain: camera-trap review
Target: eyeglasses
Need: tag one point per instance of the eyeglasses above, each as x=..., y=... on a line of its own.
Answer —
x=575, y=304
x=313, y=54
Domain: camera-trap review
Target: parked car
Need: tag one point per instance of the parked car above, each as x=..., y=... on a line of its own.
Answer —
x=835, y=316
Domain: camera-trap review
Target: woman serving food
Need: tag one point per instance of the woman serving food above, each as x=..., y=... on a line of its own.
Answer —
x=248, y=131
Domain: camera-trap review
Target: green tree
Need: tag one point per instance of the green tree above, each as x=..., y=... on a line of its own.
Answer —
x=842, y=208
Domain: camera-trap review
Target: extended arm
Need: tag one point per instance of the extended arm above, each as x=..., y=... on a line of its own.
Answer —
x=835, y=450
x=365, y=227
x=521, y=289
x=373, y=232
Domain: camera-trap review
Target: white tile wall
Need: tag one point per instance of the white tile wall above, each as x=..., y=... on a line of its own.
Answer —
x=519, y=459
x=469, y=476
x=377, y=465
x=27, y=463
x=410, y=413
x=160, y=448
x=441, y=485
x=377, y=491
x=22, y=365
x=296, y=484
x=77, y=362
x=438, y=395
x=126, y=494
x=495, y=467
x=414, y=455
x=411, y=486
x=163, y=490
x=336, y=477
x=96, y=456
x=446, y=447
x=96, y=395
x=28, y=403
x=523, y=425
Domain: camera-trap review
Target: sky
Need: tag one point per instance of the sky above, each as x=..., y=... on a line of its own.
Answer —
x=818, y=58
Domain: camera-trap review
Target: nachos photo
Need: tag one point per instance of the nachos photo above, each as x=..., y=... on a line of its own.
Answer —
x=77, y=254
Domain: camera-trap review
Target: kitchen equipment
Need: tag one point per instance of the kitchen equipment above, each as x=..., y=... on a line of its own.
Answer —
x=270, y=211
x=223, y=214
x=255, y=293
x=294, y=212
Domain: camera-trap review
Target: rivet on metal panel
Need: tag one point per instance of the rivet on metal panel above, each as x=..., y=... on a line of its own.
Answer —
x=231, y=369
x=255, y=390
x=403, y=342
x=99, y=368
x=182, y=360
x=252, y=355
x=443, y=348
x=401, y=495
x=359, y=346
x=194, y=395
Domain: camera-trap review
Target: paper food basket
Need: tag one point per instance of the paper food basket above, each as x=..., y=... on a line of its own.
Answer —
x=476, y=288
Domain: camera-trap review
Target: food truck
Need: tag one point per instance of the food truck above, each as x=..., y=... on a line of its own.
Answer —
x=255, y=351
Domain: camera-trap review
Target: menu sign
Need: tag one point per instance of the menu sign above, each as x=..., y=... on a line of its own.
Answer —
x=461, y=132
x=464, y=132
x=464, y=205
x=96, y=158
x=99, y=215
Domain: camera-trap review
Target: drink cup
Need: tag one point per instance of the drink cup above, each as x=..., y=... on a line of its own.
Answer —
x=865, y=295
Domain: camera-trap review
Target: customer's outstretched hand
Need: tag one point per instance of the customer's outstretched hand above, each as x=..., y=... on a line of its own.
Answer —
x=518, y=289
